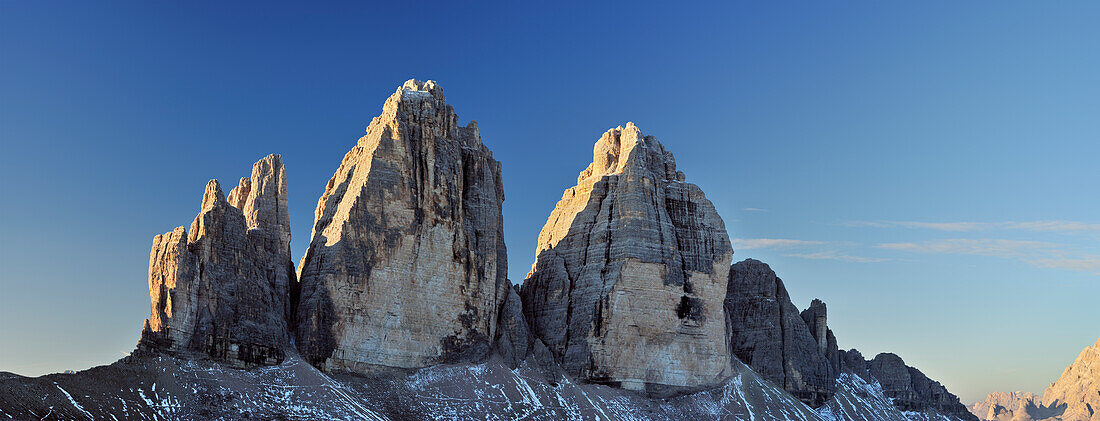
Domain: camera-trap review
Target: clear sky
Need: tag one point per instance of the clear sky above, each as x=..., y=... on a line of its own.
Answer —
x=929, y=169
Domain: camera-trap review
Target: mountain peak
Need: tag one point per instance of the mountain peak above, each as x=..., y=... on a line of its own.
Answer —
x=624, y=148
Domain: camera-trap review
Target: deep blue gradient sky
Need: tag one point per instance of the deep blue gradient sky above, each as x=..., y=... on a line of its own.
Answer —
x=928, y=169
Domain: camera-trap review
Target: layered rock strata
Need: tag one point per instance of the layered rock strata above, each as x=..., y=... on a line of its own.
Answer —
x=906, y=387
x=222, y=288
x=406, y=266
x=768, y=334
x=630, y=273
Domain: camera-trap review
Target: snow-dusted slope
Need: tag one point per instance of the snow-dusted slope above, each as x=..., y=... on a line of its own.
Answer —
x=165, y=388
x=860, y=399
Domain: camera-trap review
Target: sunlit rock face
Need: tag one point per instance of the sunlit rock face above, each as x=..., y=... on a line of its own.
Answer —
x=222, y=289
x=630, y=273
x=1001, y=406
x=768, y=333
x=407, y=263
x=1076, y=394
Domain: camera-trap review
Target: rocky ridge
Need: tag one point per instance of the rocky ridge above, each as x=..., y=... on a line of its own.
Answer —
x=768, y=333
x=404, y=312
x=630, y=273
x=906, y=387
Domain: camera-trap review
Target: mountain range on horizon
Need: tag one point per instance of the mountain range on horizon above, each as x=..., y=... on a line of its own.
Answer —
x=1074, y=396
x=401, y=308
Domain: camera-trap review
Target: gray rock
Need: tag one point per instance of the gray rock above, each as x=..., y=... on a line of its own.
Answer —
x=816, y=318
x=630, y=273
x=513, y=338
x=768, y=334
x=910, y=390
x=222, y=289
x=406, y=267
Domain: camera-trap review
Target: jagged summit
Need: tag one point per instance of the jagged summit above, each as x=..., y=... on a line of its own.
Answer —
x=621, y=147
x=429, y=86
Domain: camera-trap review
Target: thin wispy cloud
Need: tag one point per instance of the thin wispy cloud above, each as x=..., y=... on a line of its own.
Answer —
x=804, y=249
x=1091, y=264
x=981, y=247
x=833, y=255
x=1042, y=226
x=771, y=243
x=1036, y=253
x=754, y=209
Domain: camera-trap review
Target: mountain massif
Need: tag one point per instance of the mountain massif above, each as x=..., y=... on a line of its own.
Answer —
x=401, y=309
x=1075, y=396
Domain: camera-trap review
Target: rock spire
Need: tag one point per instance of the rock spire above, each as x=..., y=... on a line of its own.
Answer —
x=222, y=288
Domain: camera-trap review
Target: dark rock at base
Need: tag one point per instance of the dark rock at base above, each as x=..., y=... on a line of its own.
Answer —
x=513, y=338
x=768, y=333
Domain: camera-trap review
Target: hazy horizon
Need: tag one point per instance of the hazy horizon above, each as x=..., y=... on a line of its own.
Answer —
x=922, y=168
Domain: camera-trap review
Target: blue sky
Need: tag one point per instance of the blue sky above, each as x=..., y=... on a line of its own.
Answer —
x=929, y=169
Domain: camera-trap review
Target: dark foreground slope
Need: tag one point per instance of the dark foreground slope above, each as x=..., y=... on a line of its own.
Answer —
x=167, y=388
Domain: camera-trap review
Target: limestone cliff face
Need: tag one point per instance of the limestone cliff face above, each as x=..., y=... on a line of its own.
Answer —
x=1076, y=394
x=768, y=333
x=407, y=264
x=222, y=288
x=630, y=273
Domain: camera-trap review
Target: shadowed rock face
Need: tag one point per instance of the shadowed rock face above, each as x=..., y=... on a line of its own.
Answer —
x=816, y=318
x=407, y=263
x=222, y=289
x=768, y=334
x=513, y=337
x=630, y=273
